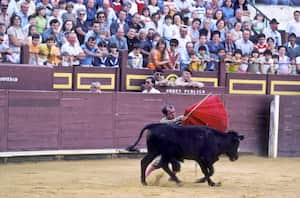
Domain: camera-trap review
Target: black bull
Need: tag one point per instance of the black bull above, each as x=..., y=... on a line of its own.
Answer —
x=176, y=143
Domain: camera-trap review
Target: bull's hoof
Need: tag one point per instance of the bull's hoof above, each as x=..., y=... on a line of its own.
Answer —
x=213, y=184
x=201, y=180
x=144, y=183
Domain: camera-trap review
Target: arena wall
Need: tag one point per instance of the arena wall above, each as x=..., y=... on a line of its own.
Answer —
x=55, y=120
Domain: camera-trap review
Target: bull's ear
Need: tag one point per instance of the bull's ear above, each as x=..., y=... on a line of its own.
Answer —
x=241, y=137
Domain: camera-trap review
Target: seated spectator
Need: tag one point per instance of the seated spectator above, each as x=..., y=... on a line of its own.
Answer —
x=227, y=9
x=238, y=14
x=67, y=27
x=271, y=45
x=201, y=42
x=254, y=62
x=131, y=38
x=94, y=32
x=91, y=51
x=284, y=66
x=298, y=65
x=272, y=31
x=119, y=39
x=49, y=53
x=95, y=87
x=258, y=23
x=34, y=45
x=228, y=43
x=236, y=31
x=102, y=58
x=293, y=49
x=168, y=29
x=184, y=56
x=16, y=37
x=159, y=78
x=5, y=37
x=244, y=64
x=158, y=57
x=193, y=30
x=54, y=31
x=215, y=44
x=195, y=63
x=244, y=44
x=41, y=19
x=261, y=44
x=243, y=5
x=4, y=16
x=149, y=86
x=145, y=46
x=5, y=51
x=113, y=57
x=186, y=80
x=266, y=63
x=233, y=63
x=69, y=15
x=81, y=25
x=72, y=50
x=120, y=22
x=47, y=5
x=135, y=58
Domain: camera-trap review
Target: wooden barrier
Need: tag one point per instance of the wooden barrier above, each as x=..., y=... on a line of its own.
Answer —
x=283, y=85
x=25, y=77
x=32, y=120
x=63, y=78
x=108, y=77
x=237, y=83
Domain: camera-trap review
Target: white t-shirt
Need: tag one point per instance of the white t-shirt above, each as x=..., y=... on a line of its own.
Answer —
x=152, y=91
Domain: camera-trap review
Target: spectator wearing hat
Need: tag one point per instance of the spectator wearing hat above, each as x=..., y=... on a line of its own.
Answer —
x=294, y=26
x=293, y=49
x=135, y=58
x=272, y=31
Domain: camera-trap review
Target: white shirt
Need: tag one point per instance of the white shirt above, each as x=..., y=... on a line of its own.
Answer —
x=152, y=91
x=273, y=34
x=294, y=27
x=72, y=50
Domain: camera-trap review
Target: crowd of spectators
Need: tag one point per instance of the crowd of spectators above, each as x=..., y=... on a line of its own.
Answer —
x=171, y=34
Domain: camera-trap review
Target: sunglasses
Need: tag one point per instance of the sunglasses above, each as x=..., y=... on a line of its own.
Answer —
x=82, y=14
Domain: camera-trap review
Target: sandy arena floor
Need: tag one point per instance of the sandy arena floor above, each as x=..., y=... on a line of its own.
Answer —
x=249, y=177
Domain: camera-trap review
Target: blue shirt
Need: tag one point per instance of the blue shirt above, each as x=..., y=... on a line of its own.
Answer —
x=88, y=59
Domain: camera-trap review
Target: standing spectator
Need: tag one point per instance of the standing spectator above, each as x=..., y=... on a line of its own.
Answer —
x=273, y=32
x=16, y=37
x=4, y=16
x=135, y=58
x=119, y=39
x=158, y=57
x=73, y=50
x=244, y=44
x=294, y=26
x=149, y=86
x=81, y=25
x=293, y=49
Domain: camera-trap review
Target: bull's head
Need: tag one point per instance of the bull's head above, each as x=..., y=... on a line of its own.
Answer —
x=234, y=142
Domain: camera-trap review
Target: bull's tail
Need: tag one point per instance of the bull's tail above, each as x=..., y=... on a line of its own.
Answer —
x=132, y=147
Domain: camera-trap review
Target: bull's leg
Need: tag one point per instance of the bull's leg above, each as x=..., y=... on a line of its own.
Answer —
x=144, y=163
x=204, y=171
x=165, y=166
x=210, y=173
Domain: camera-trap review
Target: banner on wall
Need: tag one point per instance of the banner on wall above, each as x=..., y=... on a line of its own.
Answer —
x=279, y=2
